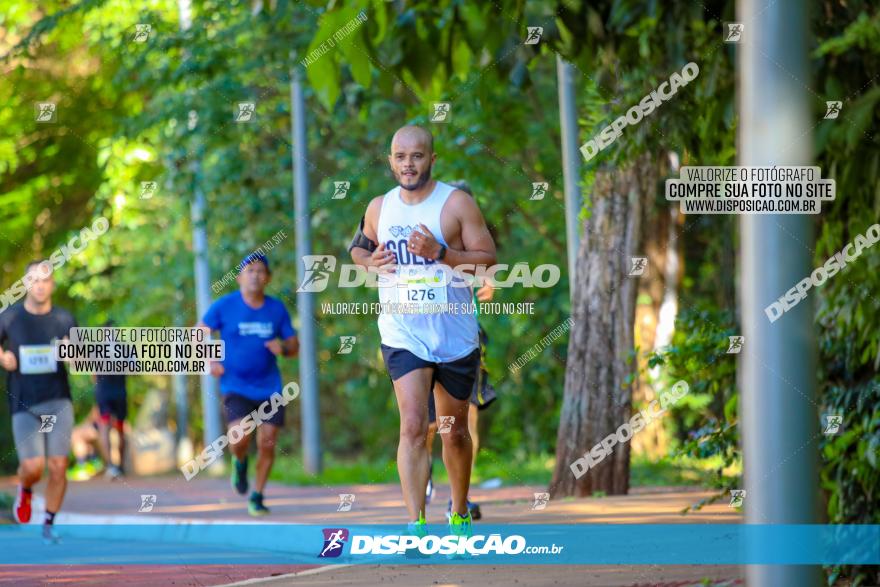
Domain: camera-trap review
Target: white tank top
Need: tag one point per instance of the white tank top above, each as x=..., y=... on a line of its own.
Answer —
x=435, y=337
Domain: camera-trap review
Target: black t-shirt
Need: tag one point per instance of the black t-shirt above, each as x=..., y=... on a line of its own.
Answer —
x=31, y=337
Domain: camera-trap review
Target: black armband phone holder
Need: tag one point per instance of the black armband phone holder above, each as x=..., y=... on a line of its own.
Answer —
x=361, y=240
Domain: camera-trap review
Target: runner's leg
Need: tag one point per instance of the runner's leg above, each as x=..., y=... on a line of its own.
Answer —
x=473, y=413
x=119, y=424
x=30, y=471
x=104, y=439
x=267, y=438
x=457, y=449
x=30, y=446
x=236, y=408
x=473, y=420
x=429, y=441
x=412, y=455
x=432, y=425
x=240, y=448
x=56, y=484
x=57, y=449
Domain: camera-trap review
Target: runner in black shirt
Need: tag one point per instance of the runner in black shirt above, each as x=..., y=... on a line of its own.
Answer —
x=39, y=394
x=112, y=403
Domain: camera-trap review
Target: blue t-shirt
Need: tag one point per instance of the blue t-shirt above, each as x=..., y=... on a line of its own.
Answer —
x=250, y=369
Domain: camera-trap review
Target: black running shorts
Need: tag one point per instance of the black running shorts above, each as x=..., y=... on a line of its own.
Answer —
x=238, y=406
x=112, y=406
x=458, y=377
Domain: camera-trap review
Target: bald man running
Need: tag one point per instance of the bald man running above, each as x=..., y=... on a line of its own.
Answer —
x=420, y=224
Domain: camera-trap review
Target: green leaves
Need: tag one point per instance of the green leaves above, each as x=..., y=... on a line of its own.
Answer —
x=462, y=59
x=340, y=38
x=707, y=417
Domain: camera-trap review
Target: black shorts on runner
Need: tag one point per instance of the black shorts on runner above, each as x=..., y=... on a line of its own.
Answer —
x=238, y=406
x=482, y=395
x=115, y=407
x=457, y=377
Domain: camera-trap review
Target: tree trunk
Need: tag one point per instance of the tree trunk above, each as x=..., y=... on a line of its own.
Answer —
x=656, y=322
x=655, y=316
x=598, y=378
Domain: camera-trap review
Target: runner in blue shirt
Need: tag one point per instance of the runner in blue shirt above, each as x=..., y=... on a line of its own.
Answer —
x=255, y=329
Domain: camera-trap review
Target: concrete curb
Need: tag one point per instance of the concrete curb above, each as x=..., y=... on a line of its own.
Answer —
x=73, y=518
x=259, y=580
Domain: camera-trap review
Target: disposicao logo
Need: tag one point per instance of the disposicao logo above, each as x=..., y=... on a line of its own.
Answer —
x=334, y=540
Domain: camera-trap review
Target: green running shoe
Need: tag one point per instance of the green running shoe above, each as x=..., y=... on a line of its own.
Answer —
x=419, y=527
x=255, y=505
x=461, y=525
x=79, y=472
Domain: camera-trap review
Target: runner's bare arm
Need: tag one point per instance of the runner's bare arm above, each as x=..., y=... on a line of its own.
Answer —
x=380, y=257
x=8, y=360
x=360, y=256
x=371, y=219
x=290, y=346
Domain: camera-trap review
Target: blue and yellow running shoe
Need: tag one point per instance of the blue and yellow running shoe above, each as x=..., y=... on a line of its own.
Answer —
x=418, y=528
x=461, y=525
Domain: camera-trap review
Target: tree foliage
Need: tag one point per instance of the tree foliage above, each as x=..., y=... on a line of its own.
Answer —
x=125, y=116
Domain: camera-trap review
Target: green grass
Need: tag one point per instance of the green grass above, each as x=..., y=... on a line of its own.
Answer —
x=535, y=470
x=336, y=471
x=6, y=502
x=532, y=470
x=652, y=473
x=678, y=471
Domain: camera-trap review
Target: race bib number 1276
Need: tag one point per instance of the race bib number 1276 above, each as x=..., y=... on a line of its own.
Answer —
x=421, y=285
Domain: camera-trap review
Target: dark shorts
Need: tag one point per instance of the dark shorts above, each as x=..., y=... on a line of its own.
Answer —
x=238, y=406
x=457, y=377
x=112, y=406
x=482, y=395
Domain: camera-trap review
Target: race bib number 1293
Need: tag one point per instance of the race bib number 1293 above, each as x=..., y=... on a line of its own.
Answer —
x=36, y=359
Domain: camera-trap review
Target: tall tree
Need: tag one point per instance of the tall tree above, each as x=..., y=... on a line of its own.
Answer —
x=600, y=373
x=629, y=50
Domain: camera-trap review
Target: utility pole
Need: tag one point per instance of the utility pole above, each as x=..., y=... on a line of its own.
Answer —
x=305, y=301
x=210, y=398
x=571, y=163
x=777, y=379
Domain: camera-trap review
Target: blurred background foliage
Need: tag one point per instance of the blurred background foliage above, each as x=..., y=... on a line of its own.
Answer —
x=124, y=117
